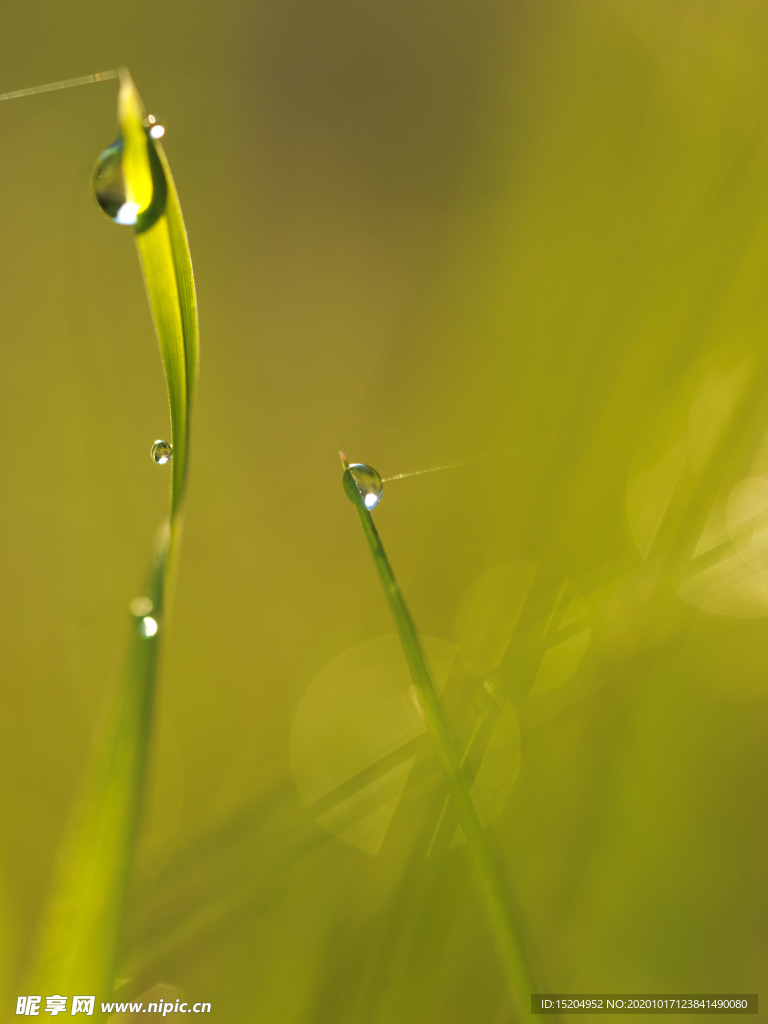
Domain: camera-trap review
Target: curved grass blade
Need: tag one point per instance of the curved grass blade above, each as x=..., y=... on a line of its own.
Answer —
x=488, y=877
x=82, y=932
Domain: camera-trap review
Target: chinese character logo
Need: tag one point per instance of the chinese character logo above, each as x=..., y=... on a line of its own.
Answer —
x=28, y=1005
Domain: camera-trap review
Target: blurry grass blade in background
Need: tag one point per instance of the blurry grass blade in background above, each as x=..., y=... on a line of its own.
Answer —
x=362, y=485
x=82, y=930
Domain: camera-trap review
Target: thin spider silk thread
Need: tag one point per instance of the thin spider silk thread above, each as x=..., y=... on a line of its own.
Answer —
x=69, y=83
x=437, y=469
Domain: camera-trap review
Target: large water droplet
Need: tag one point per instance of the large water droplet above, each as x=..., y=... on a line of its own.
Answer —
x=109, y=185
x=362, y=485
x=162, y=452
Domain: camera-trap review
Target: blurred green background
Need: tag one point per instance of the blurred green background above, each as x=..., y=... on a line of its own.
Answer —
x=528, y=237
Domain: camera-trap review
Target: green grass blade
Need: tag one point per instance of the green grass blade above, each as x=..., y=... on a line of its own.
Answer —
x=137, y=172
x=487, y=873
x=161, y=240
x=82, y=931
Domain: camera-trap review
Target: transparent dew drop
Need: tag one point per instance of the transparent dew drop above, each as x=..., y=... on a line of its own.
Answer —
x=148, y=626
x=162, y=452
x=109, y=187
x=362, y=485
x=141, y=606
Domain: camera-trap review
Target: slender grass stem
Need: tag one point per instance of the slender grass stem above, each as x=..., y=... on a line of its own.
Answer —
x=487, y=873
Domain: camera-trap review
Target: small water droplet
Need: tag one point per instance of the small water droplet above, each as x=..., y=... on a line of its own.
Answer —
x=148, y=626
x=362, y=485
x=162, y=452
x=141, y=606
x=157, y=131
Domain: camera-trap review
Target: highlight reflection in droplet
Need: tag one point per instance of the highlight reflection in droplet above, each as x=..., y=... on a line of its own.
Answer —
x=148, y=626
x=127, y=214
